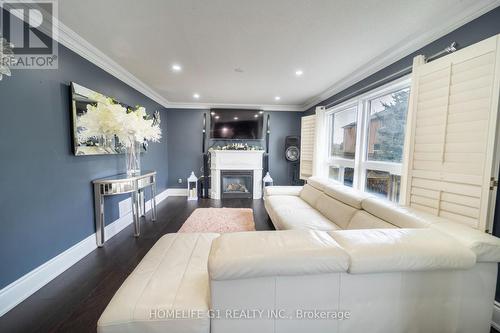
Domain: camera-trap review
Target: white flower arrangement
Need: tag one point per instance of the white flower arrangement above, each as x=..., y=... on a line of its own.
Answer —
x=107, y=118
x=6, y=57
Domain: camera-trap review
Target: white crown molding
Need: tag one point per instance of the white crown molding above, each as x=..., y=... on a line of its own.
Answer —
x=264, y=107
x=28, y=284
x=415, y=43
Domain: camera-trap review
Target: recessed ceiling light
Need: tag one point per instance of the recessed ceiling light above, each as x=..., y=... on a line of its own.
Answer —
x=176, y=67
x=196, y=96
x=256, y=116
x=299, y=72
x=212, y=113
x=277, y=98
x=217, y=117
x=235, y=118
x=261, y=112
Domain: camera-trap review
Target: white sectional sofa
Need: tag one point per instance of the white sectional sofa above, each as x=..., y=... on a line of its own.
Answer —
x=340, y=261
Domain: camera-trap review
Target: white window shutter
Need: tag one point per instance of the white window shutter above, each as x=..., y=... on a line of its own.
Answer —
x=320, y=167
x=451, y=134
x=307, y=139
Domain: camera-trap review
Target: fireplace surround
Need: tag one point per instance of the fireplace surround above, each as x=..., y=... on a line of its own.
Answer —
x=249, y=161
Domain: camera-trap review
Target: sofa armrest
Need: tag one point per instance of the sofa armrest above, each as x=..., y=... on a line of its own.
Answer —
x=485, y=246
x=399, y=250
x=275, y=253
x=282, y=190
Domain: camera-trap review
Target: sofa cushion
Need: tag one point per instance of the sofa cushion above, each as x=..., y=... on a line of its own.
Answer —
x=287, y=202
x=320, y=183
x=364, y=220
x=400, y=216
x=336, y=211
x=395, y=250
x=346, y=194
x=282, y=190
x=485, y=246
x=172, y=276
x=310, y=194
x=245, y=255
x=302, y=219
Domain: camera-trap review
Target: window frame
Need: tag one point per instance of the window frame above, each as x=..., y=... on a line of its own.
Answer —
x=360, y=163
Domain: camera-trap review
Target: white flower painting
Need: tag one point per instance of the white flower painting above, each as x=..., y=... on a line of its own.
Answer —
x=107, y=118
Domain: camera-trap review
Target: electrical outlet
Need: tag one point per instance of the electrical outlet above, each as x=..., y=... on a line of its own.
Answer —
x=179, y=180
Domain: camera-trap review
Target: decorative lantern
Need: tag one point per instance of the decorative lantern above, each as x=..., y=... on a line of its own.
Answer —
x=192, y=183
x=267, y=180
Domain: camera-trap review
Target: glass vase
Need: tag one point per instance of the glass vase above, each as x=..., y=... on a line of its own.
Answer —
x=133, y=158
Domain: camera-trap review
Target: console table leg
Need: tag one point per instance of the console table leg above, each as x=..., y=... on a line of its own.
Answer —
x=99, y=215
x=142, y=203
x=137, y=214
x=153, y=202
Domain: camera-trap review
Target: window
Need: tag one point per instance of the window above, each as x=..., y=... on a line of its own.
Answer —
x=366, y=139
x=343, y=137
x=344, y=133
x=386, y=126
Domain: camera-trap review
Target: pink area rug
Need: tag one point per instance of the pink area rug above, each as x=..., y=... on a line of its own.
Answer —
x=219, y=220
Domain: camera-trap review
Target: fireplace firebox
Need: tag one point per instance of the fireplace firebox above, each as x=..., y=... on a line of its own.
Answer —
x=236, y=184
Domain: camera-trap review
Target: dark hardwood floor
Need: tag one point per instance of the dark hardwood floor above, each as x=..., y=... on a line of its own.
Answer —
x=74, y=301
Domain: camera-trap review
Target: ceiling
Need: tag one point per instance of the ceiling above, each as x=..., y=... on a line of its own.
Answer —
x=245, y=53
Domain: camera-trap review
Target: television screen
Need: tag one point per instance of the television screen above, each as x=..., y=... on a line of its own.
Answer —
x=230, y=124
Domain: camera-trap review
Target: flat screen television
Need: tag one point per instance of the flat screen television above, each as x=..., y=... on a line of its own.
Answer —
x=236, y=124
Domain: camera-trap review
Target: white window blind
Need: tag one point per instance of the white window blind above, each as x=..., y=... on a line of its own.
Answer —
x=451, y=134
x=307, y=140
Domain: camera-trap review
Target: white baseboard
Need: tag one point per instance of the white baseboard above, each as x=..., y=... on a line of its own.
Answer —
x=28, y=284
x=495, y=321
x=177, y=192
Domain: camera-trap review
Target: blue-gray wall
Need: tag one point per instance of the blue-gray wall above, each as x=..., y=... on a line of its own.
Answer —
x=481, y=28
x=185, y=143
x=46, y=203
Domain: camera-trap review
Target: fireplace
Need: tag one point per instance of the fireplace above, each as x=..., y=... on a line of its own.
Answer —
x=242, y=163
x=236, y=184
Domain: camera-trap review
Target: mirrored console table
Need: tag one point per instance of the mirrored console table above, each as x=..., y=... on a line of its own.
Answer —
x=122, y=184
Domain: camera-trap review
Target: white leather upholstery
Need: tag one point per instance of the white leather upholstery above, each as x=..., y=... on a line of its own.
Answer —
x=287, y=202
x=172, y=276
x=275, y=253
x=310, y=195
x=291, y=212
x=426, y=301
x=346, y=195
x=282, y=190
x=336, y=211
x=485, y=246
x=436, y=293
x=403, y=217
x=364, y=220
x=320, y=183
x=303, y=219
x=400, y=250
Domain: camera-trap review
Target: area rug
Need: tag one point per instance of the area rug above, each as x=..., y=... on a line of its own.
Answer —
x=219, y=220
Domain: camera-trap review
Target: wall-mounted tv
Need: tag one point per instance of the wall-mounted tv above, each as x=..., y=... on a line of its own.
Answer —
x=236, y=124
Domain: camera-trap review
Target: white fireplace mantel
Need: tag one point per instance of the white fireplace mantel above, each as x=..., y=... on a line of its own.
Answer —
x=235, y=160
